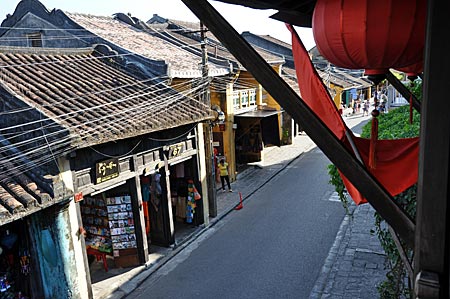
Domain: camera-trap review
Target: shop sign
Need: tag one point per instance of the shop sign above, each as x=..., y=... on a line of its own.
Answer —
x=78, y=196
x=176, y=150
x=106, y=170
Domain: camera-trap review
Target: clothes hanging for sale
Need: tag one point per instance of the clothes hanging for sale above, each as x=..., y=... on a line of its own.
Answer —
x=192, y=196
x=145, y=188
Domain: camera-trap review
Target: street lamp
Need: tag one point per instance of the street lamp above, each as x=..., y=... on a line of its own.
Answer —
x=220, y=118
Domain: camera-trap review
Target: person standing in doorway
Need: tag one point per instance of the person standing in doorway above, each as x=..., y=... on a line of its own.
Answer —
x=223, y=170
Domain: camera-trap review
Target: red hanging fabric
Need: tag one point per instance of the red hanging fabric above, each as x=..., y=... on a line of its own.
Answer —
x=313, y=90
x=397, y=165
x=396, y=160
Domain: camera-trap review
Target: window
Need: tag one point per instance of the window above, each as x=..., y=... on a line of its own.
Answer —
x=236, y=102
x=35, y=40
x=244, y=98
x=252, y=97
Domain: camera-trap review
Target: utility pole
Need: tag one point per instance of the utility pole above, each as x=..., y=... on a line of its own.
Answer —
x=207, y=128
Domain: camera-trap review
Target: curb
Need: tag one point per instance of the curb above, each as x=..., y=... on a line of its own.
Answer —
x=321, y=281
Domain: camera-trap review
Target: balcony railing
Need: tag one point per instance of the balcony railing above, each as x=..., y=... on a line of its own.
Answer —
x=244, y=98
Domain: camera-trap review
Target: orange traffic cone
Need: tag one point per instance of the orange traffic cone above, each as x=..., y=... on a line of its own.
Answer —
x=240, y=205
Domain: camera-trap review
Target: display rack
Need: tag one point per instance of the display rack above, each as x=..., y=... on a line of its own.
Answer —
x=95, y=220
x=121, y=222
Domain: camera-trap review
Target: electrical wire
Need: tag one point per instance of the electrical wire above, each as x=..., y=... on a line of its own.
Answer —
x=60, y=144
x=122, y=112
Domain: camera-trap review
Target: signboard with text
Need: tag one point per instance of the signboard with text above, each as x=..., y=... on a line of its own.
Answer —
x=176, y=150
x=106, y=170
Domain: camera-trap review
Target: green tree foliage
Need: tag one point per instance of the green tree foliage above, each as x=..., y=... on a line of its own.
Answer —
x=393, y=125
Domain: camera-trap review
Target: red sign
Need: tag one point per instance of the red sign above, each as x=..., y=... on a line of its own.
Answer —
x=222, y=127
x=78, y=197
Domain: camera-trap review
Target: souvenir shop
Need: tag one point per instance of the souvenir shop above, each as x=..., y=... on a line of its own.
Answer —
x=168, y=221
x=255, y=130
x=16, y=271
x=35, y=259
x=130, y=202
x=109, y=227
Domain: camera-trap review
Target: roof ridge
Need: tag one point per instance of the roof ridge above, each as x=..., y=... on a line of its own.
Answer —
x=40, y=50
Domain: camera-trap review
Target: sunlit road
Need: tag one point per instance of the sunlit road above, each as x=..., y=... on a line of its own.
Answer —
x=273, y=248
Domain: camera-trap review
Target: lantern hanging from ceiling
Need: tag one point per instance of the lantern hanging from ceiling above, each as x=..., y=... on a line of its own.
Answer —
x=370, y=35
x=412, y=71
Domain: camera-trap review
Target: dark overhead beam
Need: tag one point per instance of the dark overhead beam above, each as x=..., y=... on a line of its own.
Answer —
x=403, y=90
x=378, y=197
x=296, y=18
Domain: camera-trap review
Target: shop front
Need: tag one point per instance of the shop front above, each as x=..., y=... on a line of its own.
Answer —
x=130, y=202
x=256, y=130
x=172, y=196
x=18, y=262
x=37, y=259
x=109, y=223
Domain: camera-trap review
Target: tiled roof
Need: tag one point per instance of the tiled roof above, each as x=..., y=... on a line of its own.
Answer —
x=91, y=97
x=290, y=77
x=21, y=194
x=182, y=63
x=273, y=40
x=214, y=45
x=343, y=80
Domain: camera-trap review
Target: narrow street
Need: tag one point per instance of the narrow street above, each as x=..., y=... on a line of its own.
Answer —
x=273, y=248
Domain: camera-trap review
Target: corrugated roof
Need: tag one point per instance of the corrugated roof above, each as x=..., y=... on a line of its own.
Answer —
x=182, y=63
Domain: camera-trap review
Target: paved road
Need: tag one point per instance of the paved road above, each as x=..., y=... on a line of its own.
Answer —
x=273, y=248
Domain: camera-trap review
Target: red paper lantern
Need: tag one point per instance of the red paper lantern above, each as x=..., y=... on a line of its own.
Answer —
x=371, y=35
x=412, y=71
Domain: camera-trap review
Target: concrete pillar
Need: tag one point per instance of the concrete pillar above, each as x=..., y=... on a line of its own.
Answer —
x=208, y=206
x=228, y=135
x=78, y=267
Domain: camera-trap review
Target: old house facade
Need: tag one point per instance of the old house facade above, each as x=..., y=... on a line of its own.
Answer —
x=126, y=148
x=254, y=120
x=345, y=88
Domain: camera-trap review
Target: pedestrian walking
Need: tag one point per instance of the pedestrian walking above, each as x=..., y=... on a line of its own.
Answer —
x=223, y=171
x=366, y=108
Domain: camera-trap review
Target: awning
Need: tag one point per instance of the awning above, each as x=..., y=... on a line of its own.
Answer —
x=258, y=113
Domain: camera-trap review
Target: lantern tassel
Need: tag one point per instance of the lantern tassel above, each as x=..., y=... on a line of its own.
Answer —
x=410, y=110
x=373, y=140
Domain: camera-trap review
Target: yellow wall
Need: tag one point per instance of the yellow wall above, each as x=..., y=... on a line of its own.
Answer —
x=266, y=99
x=338, y=97
x=225, y=102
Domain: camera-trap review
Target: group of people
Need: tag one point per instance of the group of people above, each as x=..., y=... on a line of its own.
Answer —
x=365, y=106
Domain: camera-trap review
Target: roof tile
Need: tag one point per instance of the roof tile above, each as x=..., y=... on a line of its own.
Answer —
x=182, y=63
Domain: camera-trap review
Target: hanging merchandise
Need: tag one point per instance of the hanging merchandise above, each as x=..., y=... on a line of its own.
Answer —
x=4, y=284
x=157, y=178
x=156, y=189
x=192, y=196
x=145, y=188
x=24, y=257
